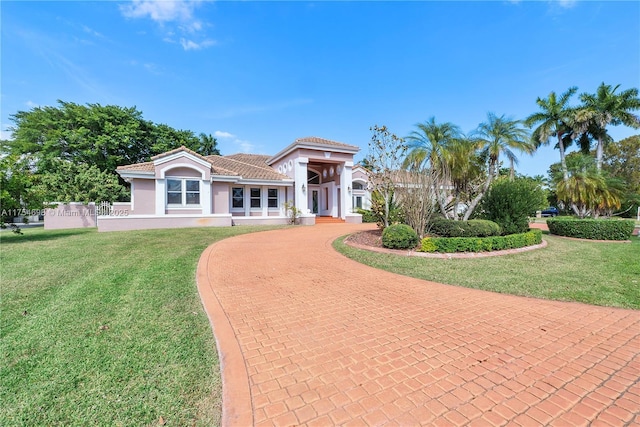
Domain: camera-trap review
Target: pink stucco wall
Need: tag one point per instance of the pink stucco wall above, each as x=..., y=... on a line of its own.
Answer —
x=220, y=196
x=144, y=197
x=73, y=215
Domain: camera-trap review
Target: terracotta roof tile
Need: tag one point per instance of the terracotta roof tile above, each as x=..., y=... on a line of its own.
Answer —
x=177, y=150
x=322, y=141
x=138, y=167
x=249, y=166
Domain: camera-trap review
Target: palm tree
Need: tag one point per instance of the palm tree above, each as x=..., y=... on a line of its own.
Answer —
x=604, y=108
x=428, y=144
x=554, y=119
x=208, y=145
x=499, y=135
x=428, y=148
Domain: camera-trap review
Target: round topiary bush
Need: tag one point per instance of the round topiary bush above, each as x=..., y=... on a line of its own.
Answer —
x=596, y=229
x=399, y=236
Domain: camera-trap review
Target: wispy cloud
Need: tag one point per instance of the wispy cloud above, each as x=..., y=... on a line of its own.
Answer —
x=31, y=104
x=191, y=45
x=221, y=134
x=234, y=144
x=178, y=12
x=160, y=11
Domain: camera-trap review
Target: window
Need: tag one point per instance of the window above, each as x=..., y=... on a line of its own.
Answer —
x=358, y=202
x=255, y=198
x=183, y=192
x=237, y=197
x=272, y=198
x=357, y=186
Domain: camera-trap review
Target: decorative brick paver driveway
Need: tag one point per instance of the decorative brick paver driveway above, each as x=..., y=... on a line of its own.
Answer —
x=309, y=337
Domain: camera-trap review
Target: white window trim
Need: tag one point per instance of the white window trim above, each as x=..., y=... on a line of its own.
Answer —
x=277, y=198
x=183, y=191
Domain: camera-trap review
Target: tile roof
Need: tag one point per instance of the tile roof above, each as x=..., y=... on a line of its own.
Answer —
x=322, y=141
x=138, y=167
x=249, y=166
x=177, y=150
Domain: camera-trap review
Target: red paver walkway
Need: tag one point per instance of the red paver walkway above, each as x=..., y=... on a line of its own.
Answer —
x=309, y=337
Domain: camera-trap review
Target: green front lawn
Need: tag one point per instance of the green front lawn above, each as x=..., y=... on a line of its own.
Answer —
x=106, y=328
x=567, y=270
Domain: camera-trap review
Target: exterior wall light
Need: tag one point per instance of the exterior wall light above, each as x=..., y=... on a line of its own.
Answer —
x=304, y=189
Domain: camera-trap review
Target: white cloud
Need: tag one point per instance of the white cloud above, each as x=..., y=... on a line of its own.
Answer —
x=191, y=45
x=31, y=104
x=567, y=4
x=160, y=11
x=221, y=134
x=166, y=12
x=245, y=146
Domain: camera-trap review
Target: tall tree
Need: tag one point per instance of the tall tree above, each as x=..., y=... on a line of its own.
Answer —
x=95, y=139
x=496, y=136
x=386, y=153
x=604, y=108
x=554, y=119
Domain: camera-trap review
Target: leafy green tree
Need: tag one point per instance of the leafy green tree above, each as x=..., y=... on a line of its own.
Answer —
x=510, y=202
x=604, y=108
x=622, y=161
x=78, y=182
x=96, y=139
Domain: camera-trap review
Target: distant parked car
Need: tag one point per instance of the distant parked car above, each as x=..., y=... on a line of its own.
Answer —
x=550, y=211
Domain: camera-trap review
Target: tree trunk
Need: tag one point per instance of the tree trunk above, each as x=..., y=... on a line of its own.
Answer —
x=599, y=153
x=565, y=171
x=476, y=200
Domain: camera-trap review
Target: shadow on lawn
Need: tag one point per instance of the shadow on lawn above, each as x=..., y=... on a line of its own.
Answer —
x=40, y=235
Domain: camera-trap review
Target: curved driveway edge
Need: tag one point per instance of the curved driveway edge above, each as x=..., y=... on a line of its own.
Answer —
x=306, y=336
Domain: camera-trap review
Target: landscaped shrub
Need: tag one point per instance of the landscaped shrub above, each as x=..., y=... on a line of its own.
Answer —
x=480, y=244
x=399, y=236
x=473, y=228
x=367, y=215
x=595, y=229
x=510, y=202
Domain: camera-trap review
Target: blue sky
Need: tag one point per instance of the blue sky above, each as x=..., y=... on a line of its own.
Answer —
x=258, y=75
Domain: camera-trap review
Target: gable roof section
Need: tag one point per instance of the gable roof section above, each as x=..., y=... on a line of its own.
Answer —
x=315, y=143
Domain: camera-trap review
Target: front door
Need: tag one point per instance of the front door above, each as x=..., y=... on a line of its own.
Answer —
x=314, y=201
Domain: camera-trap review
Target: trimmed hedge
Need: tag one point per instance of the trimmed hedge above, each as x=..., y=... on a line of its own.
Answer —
x=367, y=215
x=595, y=229
x=473, y=228
x=481, y=244
x=399, y=236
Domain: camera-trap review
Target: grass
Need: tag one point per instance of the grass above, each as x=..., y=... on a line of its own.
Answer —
x=107, y=328
x=597, y=273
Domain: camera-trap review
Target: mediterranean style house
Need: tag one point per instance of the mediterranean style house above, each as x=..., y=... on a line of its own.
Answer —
x=182, y=188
